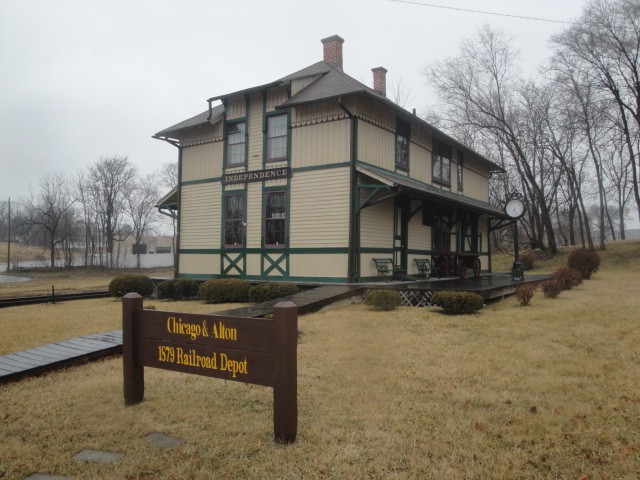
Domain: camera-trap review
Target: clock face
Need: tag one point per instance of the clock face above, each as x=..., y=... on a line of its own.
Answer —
x=514, y=208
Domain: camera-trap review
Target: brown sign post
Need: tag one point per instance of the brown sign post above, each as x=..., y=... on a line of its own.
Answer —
x=250, y=350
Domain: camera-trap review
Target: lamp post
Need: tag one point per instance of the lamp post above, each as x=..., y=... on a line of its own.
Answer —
x=515, y=208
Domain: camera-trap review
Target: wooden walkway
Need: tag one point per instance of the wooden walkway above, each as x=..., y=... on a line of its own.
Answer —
x=55, y=356
x=307, y=301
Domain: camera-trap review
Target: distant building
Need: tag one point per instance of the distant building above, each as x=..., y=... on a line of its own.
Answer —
x=311, y=176
x=632, y=234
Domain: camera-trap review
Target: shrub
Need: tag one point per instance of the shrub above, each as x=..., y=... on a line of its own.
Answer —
x=567, y=277
x=126, y=283
x=524, y=294
x=186, y=288
x=457, y=303
x=551, y=288
x=225, y=290
x=265, y=292
x=586, y=262
x=178, y=289
x=527, y=260
x=166, y=289
x=383, y=299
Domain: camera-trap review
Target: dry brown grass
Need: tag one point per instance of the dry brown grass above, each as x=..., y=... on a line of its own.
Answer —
x=22, y=253
x=549, y=391
x=68, y=280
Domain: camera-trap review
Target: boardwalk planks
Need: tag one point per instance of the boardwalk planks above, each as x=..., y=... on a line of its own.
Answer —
x=249, y=350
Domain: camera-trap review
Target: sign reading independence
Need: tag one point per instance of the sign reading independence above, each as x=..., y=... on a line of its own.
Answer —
x=256, y=175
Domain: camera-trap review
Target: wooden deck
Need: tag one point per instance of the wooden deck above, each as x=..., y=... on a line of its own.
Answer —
x=55, y=356
x=489, y=287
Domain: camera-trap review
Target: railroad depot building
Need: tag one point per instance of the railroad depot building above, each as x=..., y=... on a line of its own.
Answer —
x=310, y=177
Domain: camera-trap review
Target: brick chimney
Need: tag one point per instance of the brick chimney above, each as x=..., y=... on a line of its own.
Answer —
x=332, y=49
x=380, y=80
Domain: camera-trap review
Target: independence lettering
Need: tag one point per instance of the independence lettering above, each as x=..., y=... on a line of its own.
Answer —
x=256, y=176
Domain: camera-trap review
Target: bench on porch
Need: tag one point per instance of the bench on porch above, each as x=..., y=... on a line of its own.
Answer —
x=385, y=266
x=424, y=266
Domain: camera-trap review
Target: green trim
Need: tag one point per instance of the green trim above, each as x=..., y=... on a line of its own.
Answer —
x=274, y=264
x=322, y=167
x=202, y=276
x=233, y=263
x=294, y=170
x=202, y=180
x=290, y=251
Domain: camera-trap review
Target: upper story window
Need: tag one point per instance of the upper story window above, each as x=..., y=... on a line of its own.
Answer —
x=276, y=137
x=460, y=169
x=403, y=134
x=236, y=143
x=275, y=215
x=234, y=219
x=441, y=163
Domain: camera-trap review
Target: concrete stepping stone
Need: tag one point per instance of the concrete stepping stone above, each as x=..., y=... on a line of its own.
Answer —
x=163, y=440
x=44, y=476
x=98, y=456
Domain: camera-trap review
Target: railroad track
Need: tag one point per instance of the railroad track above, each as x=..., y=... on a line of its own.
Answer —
x=51, y=298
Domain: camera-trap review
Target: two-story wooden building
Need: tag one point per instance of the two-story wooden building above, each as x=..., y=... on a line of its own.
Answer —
x=311, y=176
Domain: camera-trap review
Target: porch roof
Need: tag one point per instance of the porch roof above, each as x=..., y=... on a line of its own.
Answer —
x=426, y=191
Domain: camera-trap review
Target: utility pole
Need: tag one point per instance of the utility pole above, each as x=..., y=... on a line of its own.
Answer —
x=9, y=237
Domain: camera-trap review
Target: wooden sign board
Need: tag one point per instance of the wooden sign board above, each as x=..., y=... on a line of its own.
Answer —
x=249, y=350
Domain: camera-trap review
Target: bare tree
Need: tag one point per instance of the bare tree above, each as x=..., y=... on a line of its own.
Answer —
x=140, y=208
x=109, y=182
x=605, y=46
x=46, y=212
x=481, y=88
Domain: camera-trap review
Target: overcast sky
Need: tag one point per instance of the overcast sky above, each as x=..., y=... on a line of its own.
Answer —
x=81, y=79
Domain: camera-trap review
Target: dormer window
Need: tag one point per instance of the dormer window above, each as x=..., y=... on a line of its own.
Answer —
x=276, y=138
x=403, y=134
x=236, y=143
x=441, y=163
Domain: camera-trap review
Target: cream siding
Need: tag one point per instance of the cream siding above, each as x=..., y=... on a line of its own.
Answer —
x=376, y=223
x=319, y=265
x=202, y=161
x=376, y=146
x=254, y=130
x=236, y=108
x=311, y=226
x=199, y=264
x=254, y=215
x=200, y=216
x=419, y=234
x=419, y=163
x=275, y=97
x=475, y=185
x=320, y=144
x=319, y=112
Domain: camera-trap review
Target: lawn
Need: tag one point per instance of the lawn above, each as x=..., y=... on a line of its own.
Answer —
x=545, y=391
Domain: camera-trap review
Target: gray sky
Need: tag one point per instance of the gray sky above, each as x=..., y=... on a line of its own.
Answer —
x=81, y=79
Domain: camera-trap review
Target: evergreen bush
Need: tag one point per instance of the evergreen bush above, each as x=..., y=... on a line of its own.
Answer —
x=265, y=292
x=586, y=262
x=524, y=294
x=383, y=299
x=128, y=282
x=178, y=289
x=457, y=303
x=551, y=288
x=225, y=290
x=567, y=277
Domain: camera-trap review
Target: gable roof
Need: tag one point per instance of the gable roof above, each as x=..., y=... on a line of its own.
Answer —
x=332, y=83
x=197, y=120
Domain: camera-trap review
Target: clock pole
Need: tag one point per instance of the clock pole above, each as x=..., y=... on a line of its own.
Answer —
x=515, y=208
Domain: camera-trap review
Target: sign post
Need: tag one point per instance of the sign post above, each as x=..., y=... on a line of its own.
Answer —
x=257, y=351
